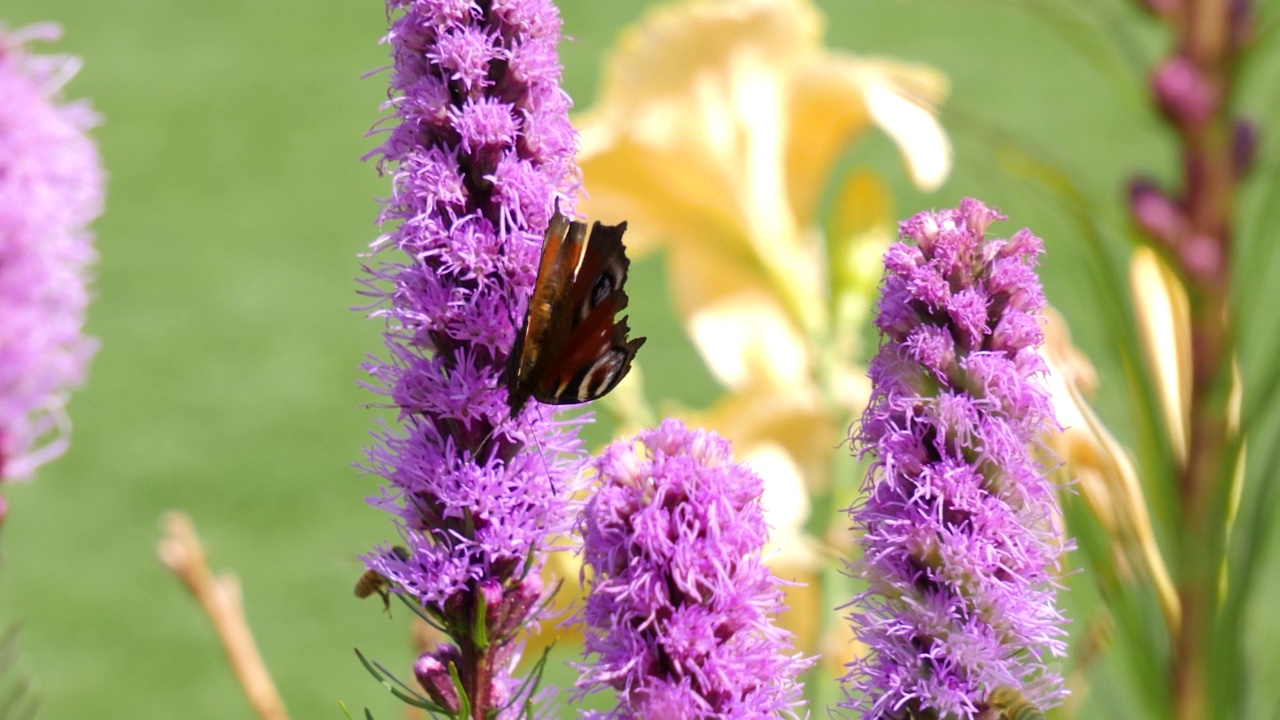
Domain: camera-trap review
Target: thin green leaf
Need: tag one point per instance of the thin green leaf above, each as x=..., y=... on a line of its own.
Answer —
x=479, y=624
x=529, y=685
x=422, y=613
x=389, y=681
x=465, y=701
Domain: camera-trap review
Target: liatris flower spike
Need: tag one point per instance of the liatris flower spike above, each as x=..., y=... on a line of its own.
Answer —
x=51, y=182
x=958, y=525
x=481, y=155
x=680, y=610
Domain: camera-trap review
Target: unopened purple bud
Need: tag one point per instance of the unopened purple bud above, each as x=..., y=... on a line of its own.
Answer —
x=1157, y=214
x=1244, y=147
x=432, y=672
x=1184, y=93
x=1201, y=256
x=517, y=604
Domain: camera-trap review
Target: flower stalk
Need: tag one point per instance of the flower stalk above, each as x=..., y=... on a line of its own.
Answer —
x=1193, y=90
x=481, y=155
x=959, y=522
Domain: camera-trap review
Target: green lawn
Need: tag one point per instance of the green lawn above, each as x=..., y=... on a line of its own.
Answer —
x=225, y=385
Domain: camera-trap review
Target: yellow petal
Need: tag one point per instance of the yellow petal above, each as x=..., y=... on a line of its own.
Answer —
x=903, y=102
x=796, y=419
x=1106, y=477
x=1164, y=327
x=746, y=340
x=693, y=105
x=716, y=292
x=786, y=507
x=835, y=97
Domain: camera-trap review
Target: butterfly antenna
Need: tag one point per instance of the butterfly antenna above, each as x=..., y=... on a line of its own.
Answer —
x=542, y=455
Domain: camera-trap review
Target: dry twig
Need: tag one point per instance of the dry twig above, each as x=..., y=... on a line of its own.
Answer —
x=181, y=552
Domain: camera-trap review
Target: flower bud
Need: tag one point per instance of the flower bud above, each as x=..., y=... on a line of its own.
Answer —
x=1185, y=95
x=1154, y=212
x=432, y=672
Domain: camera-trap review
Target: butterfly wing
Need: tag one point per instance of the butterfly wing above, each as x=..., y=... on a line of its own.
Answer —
x=544, y=326
x=599, y=355
x=596, y=354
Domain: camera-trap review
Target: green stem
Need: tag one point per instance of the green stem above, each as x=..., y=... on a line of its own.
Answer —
x=1209, y=187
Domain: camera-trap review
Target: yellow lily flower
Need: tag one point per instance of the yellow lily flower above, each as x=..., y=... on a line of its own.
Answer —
x=1164, y=327
x=715, y=132
x=1104, y=474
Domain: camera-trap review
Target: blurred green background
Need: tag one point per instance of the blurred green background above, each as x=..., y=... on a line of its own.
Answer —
x=225, y=385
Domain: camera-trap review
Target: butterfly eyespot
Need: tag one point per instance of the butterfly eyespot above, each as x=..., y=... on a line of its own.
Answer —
x=603, y=287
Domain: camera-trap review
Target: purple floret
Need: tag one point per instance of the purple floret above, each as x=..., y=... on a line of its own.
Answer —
x=958, y=527
x=680, y=609
x=480, y=153
x=51, y=188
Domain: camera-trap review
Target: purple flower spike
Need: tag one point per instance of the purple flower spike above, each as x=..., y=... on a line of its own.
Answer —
x=958, y=524
x=680, y=606
x=480, y=154
x=51, y=182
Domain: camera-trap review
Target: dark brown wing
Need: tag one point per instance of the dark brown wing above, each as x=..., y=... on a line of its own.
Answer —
x=596, y=355
x=544, y=326
x=570, y=349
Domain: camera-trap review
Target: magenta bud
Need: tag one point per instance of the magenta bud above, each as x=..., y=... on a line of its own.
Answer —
x=490, y=593
x=1244, y=147
x=517, y=605
x=1185, y=95
x=432, y=672
x=1154, y=212
x=1201, y=256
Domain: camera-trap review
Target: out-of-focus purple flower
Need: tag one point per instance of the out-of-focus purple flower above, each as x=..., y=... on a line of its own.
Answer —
x=958, y=524
x=1183, y=92
x=1156, y=213
x=1244, y=147
x=679, y=613
x=51, y=185
x=480, y=154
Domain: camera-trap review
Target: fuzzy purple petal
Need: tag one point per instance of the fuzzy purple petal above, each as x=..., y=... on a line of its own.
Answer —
x=51, y=188
x=480, y=154
x=679, y=612
x=957, y=526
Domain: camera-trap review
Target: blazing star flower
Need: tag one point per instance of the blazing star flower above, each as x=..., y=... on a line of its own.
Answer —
x=680, y=607
x=481, y=153
x=959, y=537
x=51, y=182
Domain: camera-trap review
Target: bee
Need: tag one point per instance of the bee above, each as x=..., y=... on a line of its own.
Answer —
x=1005, y=703
x=374, y=583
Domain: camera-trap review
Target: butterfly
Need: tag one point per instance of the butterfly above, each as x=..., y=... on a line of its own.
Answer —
x=570, y=349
